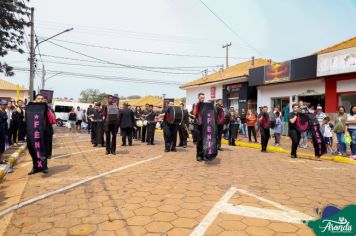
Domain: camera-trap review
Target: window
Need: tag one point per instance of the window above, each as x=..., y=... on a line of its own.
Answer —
x=347, y=100
x=65, y=109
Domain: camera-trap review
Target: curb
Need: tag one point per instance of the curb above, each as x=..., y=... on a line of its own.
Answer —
x=12, y=160
x=339, y=159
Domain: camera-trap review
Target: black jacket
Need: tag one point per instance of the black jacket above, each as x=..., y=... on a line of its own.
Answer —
x=127, y=118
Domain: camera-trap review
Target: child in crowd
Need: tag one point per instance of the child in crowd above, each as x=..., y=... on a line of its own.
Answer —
x=277, y=130
x=328, y=135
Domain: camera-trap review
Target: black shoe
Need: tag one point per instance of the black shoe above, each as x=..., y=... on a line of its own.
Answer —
x=148, y=144
x=33, y=171
x=95, y=145
x=185, y=146
x=49, y=157
x=200, y=159
x=166, y=150
x=293, y=156
x=173, y=150
x=113, y=152
x=107, y=152
x=130, y=144
x=153, y=144
x=45, y=171
x=123, y=145
x=220, y=149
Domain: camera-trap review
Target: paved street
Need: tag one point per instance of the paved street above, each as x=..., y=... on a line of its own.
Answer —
x=145, y=191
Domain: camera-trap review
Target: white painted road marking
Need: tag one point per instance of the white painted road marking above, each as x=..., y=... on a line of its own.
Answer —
x=222, y=206
x=46, y=195
x=64, y=155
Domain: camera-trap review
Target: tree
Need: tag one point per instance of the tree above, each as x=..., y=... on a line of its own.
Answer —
x=89, y=95
x=14, y=17
x=102, y=98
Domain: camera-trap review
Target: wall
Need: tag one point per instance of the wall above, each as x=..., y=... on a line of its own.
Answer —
x=8, y=93
x=192, y=93
x=265, y=93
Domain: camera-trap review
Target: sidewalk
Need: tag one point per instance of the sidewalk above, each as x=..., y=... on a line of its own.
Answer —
x=11, y=155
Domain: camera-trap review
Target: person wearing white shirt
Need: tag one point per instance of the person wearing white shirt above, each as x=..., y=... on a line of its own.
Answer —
x=328, y=135
x=79, y=114
x=351, y=128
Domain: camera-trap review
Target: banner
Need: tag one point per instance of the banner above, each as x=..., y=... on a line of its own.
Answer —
x=47, y=94
x=278, y=72
x=37, y=133
x=209, y=127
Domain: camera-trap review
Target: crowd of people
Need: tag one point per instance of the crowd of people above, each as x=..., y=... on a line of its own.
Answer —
x=207, y=124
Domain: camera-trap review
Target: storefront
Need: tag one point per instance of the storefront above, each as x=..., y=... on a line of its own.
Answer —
x=230, y=85
x=282, y=84
x=338, y=68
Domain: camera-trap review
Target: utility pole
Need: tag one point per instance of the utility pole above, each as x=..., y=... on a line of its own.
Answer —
x=32, y=56
x=226, y=46
x=43, y=77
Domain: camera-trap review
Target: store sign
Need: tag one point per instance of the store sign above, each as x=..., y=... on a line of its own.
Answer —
x=213, y=92
x=337, y=62
x=279, y=72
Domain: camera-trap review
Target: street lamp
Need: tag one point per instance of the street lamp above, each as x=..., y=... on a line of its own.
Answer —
x=32, y=54
x=44, y=79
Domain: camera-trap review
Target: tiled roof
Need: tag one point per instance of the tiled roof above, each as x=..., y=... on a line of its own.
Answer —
x=155, y=101
x=235, y=71
x=343, y=45
x=6, y=85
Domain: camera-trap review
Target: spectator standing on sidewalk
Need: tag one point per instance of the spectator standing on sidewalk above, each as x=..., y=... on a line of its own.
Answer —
x=79, y=114
x=9, y=109
x=285, y=121
x=243, y=122
x=277, y=130
x=328, y=135
x=320, y=115
x=3, y=128
x=22, y=124
x=351, y=127
x=294, y=134
x=340, y=129
x=251, y=125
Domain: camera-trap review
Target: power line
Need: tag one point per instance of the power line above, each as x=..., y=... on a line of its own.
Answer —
x=145, y=52
x=104, y=77
x=150, y=69
x=231, y=29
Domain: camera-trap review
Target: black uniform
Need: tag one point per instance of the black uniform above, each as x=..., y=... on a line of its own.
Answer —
x=265, y=131
x=138, y=130
x=151, y=127
x=3, y=129
x=127, y=121
x=144, y=129
x=111, y=113
x=97, y=128
x=183, y=127
x=294, y=134
x=169, y=132
x=221, y=121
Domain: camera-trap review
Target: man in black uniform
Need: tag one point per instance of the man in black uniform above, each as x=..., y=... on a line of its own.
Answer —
x=144, y=128
x=90, y=112
x=127, y=121
x=111, y=114
x=97, y=126
x=264, y=122
x=183, y=127
x=294, y=134
x=151, y=125
x=3, y=128
x=221, y=120
x=199, y=129
x=169, y=130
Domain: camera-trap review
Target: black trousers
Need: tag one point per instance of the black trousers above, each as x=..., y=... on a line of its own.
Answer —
x=170, y=135
x=35, y=160
x=195, y=133
x=97, y=133
x=252, y=129
x=22, y=131
x=50, y=141
x=220, y=133
x=183, y=135
x=2, y=140
x=137, y=133
x=295, y=137
x=15, y=132
x=265, y=135
x=151, y=128
x=144, y=131
x=111, y=130
x=199, y=136
x=126, y=133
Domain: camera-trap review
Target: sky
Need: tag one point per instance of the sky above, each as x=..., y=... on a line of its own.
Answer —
x=273, y=29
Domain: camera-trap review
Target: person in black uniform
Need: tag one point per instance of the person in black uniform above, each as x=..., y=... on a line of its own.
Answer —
x=111, y=114
x=169, y=130
x=90, y=111
x=138, y=130
x=294, y=134
x=221, y=120
x=195, y=125
x=183, y=128
x=3, y=128
x=199, y=129
x=127, y=121
x=97, y=126
x=144, y=128
x=264, y=122
x=151, y=125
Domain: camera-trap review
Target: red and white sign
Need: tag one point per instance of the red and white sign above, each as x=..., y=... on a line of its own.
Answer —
x=213, y=92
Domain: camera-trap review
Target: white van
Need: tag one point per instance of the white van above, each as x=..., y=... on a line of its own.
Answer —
x=62, y=109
